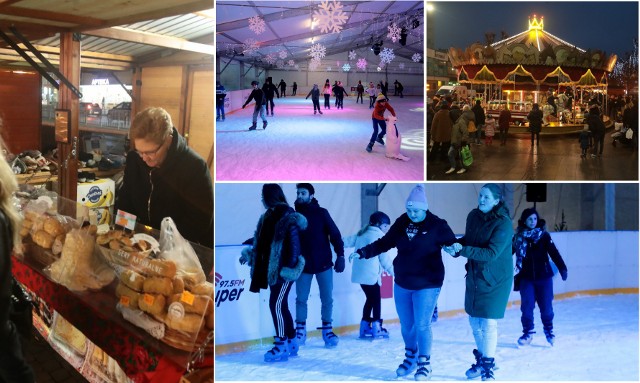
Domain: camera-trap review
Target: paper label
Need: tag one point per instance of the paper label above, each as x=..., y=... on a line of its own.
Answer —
x=187, y=298
x=126, y=220
x=125, y=301
x=148, y=299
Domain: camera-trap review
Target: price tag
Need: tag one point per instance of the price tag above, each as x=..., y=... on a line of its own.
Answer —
x=125, y=301
x=148, y=299
x=126, y=220
x=187, y=298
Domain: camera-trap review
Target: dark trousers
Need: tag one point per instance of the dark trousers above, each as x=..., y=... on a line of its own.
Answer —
x=540, y=291
x=339, y=102
x=503, y=135
x=270, y=101
x=598, y=144
x=535, y=137
x=372, y=100
x=283, y=92
x=279, y=306
x=294, y=91
x=383, y=129
x=371, y=309
x=13, y=367
x=220, y=110
x=316, y=104
x=327, y=102
x=359, y=97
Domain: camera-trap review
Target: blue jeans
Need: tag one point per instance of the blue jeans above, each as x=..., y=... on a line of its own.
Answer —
x=325, y=285
x=261, y=112
x=415, y=308
x=383, y=129
x=540, y=291
x=454, y=152
x=220, y=110
x=485, y=332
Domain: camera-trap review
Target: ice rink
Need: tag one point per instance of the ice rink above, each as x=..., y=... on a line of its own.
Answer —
x=596, y=340
x=299, y=145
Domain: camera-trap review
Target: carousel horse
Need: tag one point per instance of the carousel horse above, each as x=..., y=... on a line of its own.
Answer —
x=547, y=114
x=561, y=104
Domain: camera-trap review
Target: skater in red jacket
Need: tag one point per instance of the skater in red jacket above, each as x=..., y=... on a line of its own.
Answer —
x=378, y=120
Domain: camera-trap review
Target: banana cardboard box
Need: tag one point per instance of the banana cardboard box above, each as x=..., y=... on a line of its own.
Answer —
x=98, y=196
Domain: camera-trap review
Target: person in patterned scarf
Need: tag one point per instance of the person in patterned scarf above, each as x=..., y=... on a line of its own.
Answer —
x=533, y=246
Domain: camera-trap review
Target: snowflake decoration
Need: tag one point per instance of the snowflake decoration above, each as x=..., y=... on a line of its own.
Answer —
x=318, y=51
x=394, y=32
x=314, y=63
x=346, y=67
x=362, y=64
x=379, y=69
x=270, y=59
x=280, y=63
x=386, y=56
x=283, y=54
x=416, y=57
x=401, y=66
x=291, y=63
x=352, y=55
x=256, y=24
x=249, y=47
x=330, y=16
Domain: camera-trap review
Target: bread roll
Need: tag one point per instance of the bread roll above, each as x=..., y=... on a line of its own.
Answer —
x=189, y=323
x=53, y=226
x=58, y=243
x=27, y=223
x=103, y=239
x=132, y=280
x=114, y=244
x=162, y=268
x=178, y=285
x=203, y=289
x=134, y=297
x=152, y=303
x=42, y=239
x=199, y=305
x=158, y=285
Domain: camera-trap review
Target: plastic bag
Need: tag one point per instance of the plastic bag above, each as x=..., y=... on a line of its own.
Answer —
x=629, y=134
x=175, y=248
x=466, y=156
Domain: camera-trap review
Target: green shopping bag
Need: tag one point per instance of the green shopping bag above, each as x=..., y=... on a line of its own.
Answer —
x=467, y=157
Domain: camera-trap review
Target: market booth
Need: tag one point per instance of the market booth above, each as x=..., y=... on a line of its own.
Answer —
x=66, y=139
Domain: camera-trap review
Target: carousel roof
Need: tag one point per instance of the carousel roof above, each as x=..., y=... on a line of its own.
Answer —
x=534, y=56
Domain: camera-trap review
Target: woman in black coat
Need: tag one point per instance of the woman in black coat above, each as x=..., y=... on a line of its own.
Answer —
x=533, y=246
x=276, y=263
x=535, y=123
x=13, y=367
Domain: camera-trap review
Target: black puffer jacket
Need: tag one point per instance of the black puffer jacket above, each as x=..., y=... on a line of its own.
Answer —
x=535, y=265
x=315, y=240
x=276, y=245
x=180, y=188
x=419, y=261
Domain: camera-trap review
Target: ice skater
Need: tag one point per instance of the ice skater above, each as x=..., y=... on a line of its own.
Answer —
x=315, y=97
x=269, y=90
x=258, y=95
x=378, y=120
x=533, y=246
x=372, y=92
x=326, y=90
x=419, y=236
x=394, y=140
x=367, y=272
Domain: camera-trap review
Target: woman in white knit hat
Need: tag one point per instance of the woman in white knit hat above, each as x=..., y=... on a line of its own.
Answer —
x=419, y=272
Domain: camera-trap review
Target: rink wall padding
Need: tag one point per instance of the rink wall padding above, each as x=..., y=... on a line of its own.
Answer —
x=600, y=262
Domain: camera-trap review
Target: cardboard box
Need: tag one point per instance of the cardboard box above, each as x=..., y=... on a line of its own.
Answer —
x=99, y=193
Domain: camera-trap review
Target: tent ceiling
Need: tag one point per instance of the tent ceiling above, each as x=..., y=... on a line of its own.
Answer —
x=115, y=35
x=288, y=28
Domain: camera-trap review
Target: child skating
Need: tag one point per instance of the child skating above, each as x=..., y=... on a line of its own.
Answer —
x=378, y=120
x=315, y=97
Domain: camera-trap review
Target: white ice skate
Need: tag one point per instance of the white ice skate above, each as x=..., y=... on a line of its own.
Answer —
x=394, y=139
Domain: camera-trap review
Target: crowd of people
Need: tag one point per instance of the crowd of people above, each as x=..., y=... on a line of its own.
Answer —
x=294, y=245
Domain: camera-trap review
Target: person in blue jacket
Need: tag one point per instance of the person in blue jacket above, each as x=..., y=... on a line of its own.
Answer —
x=418, y=235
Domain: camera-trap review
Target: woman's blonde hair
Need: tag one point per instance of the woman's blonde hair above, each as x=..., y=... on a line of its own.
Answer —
x=8, y=186
x=152, y=124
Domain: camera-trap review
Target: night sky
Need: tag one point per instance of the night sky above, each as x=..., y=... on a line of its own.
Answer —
x=609, y=26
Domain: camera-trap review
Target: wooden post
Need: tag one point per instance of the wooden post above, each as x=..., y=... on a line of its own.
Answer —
x=68, y=153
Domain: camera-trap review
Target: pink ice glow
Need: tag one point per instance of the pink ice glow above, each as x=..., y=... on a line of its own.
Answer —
x=298, y=145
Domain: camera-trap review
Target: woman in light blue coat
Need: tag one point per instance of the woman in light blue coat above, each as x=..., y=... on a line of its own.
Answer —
x=367, y=272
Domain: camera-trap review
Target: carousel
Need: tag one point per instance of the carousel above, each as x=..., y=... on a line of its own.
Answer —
x=535, y=67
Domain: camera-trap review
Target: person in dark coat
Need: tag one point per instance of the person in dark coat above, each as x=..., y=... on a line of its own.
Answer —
x=360, y=90
x=585, y=141
x=164, y=177
x=316, y=243
x=340, y=92
x=532, y=246
x=597, y=128
x=221, y=93
x=535, y=123
x=269, y=90
x=258, y=95
x=315, y=98
x=13, y=366
x=478, y=112
x=276, y=263
x=283, y=89
x=503, y=124
x=294, y=88
x=487, y=246
x=419, y=236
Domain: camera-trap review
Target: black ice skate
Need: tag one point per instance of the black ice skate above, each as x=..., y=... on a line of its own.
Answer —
x=526, y=338
x=550, y=337
x=253, y=127
x=370, y=147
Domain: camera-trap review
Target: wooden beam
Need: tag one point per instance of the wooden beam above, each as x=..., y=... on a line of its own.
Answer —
x=57, y=17
x=118, y=33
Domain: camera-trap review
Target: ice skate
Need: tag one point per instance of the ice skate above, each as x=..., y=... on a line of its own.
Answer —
x=476, y=369
x=370, y=147
x=487, y=368
x=319, y=111
x=301, y=332
x=279, y=352
x=398, y=157
x=526, y=338
x=550, y=337
x=424, y=368
x=380, y=141
x=365, y=330
x=264, y=125
x=408, y=364
x=293, y=347
x=377, y=331
x=330, y=339
x=253, y=127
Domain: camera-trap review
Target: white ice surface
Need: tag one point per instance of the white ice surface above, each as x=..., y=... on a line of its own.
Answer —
x=596, y=340
x=298, y=145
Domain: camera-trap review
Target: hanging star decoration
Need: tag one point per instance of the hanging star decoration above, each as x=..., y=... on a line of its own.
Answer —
x=394, y=32
x=256, y=24
x=386, y=56
x=283, y=54
x=292, y=63
x=318, y=51
x=352, y=55
x=249, y=47
x=362, y=64
x=280, y=63
x=416, y=57
x=330, y=16
x=346, y=67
